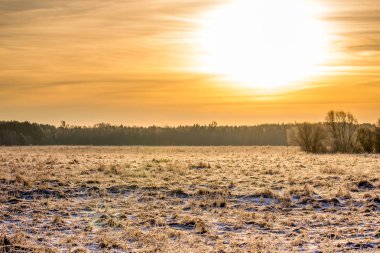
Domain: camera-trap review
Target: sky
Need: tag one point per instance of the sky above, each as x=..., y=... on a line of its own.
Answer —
x=137, y=62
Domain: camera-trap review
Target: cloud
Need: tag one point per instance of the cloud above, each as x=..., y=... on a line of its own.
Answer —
x=117, y=36
x=136, y=54
x=24, y=5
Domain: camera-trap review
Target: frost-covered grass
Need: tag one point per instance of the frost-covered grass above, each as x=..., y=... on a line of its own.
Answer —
x=187, y=199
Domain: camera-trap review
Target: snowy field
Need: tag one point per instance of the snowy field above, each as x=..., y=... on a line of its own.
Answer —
x=187, y=199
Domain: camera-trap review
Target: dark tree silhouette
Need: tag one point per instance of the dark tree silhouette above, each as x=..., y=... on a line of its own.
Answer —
x=25, y=133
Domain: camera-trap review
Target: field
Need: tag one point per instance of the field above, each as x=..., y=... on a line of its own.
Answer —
x=187, y=199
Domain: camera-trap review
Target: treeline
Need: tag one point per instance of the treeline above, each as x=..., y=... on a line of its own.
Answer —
x=26, y=133
x=339, y=133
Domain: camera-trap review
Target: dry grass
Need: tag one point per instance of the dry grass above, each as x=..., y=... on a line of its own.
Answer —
x=187, y=199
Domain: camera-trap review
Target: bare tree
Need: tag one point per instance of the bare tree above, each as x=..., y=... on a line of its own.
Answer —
x=309, y=137
x=342, y=127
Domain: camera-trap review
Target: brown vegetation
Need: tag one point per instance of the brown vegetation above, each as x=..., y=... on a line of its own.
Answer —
x=366, y=138
x=309, y=137
x=134, y=199
x=340, y=133
x=342, y=127
x=377, y=137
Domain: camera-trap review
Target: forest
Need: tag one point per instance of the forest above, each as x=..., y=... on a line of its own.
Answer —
x=340, y=132
x=26, y=133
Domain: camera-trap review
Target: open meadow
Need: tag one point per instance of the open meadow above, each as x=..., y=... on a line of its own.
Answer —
x=187, y=199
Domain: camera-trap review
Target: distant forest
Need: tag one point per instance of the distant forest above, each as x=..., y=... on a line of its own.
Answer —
x=25, y=133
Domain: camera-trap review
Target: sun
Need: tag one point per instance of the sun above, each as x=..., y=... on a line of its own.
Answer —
x=263, y=44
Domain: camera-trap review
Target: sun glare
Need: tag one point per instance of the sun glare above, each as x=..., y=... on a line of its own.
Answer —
x=263, y=44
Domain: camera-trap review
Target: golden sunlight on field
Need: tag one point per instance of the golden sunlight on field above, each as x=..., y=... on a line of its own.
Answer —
x=187, y=199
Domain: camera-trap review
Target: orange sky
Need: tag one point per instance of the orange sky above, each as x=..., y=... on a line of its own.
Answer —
x=132, y=62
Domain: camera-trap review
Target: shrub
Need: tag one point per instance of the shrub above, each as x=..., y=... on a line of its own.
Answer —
x=366, y=138
x=377, y=137
x=310, y=137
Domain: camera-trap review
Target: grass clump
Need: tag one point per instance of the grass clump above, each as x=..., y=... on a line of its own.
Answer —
x=200, y=165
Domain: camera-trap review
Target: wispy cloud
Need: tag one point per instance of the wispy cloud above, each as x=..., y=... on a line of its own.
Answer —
x=134, y=54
